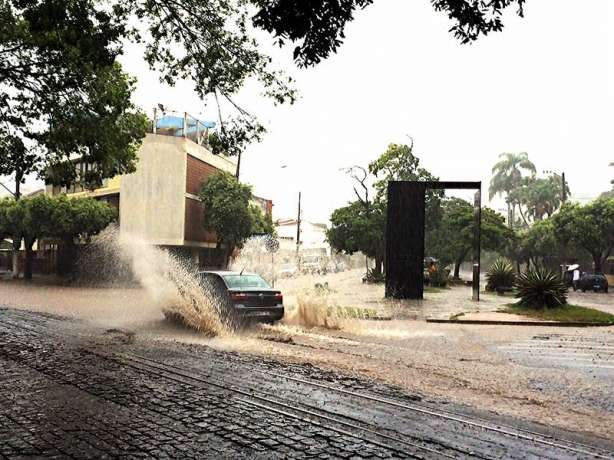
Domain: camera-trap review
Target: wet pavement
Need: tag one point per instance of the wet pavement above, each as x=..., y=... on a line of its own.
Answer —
x=72, y=390
x=98, y=373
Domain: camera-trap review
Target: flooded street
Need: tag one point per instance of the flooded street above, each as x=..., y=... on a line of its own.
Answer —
x=560, y=377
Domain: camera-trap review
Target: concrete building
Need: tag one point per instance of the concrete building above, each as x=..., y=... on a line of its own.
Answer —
x=312, y=237
x=159, y=202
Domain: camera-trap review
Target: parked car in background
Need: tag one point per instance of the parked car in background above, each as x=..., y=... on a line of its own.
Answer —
x=593, y=282
x=243, y=295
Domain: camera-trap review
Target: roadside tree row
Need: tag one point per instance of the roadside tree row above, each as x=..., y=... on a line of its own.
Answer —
x=549, y=231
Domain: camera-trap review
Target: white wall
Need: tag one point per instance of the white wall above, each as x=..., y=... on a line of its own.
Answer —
x=152, y=199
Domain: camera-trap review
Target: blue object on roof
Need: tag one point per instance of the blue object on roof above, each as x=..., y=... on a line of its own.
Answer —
x=177, y=123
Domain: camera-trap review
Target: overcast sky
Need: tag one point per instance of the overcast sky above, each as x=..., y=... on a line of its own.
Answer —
x=544, y=86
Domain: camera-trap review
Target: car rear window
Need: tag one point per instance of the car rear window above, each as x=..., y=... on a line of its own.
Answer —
x=245, y=281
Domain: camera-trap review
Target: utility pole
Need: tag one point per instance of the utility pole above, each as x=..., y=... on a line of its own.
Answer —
x=298, y=225
x=564, y=191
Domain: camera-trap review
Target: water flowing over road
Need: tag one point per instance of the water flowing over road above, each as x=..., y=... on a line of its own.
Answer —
x=70, y=389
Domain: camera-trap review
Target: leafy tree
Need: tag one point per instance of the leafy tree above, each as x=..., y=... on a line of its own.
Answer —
x=507, y=177
x=227, y=211
x=262, y=222
x=5, y=226
x=398, y=163
x=54, y=217
x=539, y=197
x=452, y=241
x=62, y=93
x=319, y=24
x=361, y=225
x=590, y=226
x=357, y=227
x=540, y=246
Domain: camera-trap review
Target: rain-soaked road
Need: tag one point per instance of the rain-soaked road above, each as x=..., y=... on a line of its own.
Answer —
x=72, y=389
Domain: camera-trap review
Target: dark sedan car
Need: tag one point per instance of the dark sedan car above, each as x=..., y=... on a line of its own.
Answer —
x=243, y=295
x=593, y=282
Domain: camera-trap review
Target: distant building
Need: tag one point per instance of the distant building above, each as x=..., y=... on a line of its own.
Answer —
x=312, y=237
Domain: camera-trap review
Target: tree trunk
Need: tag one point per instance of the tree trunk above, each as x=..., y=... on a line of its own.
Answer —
x=379, y=264
x=27, y=267
x=458, y=262
x=457, y=265
x=597, y=262
x=15, y=261
x=17, y=239
x=67, y=258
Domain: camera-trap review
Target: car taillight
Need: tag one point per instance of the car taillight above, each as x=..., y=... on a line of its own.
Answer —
x=279, y=297
x=238, y=296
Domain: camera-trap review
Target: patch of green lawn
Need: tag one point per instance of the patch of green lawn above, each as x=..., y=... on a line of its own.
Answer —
x=434, y=290
x=568, y=313
x=354, y=312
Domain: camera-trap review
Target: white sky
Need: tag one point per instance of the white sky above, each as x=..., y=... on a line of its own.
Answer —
x=544, y=85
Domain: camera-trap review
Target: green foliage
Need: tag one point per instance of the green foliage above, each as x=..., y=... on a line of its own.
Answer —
x=591, y=227
x=208, y=43
x=507, y=176
x=540, y=288
x=261, y=222
x=105, y=133
x=452, y=240
x=539, y=197
x=439, y=277
x=227, y=208
x=500, y=274
x=398, y=163
x=63, y=92
x=565, y=313
x=57, y=216
x=357, y=228
x=539, y=246
x=361, y=225
x=374, y=276
x=319, y=25
x=6, y=227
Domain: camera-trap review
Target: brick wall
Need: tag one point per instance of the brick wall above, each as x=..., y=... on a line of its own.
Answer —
x=197, y=170
x=194, y=215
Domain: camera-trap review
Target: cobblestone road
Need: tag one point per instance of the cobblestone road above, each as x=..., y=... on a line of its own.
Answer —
x=72, y=390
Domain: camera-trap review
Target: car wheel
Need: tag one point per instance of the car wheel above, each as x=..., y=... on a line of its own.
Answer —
x=583, y=290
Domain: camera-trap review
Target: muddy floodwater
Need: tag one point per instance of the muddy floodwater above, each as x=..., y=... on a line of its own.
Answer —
x=562, y=377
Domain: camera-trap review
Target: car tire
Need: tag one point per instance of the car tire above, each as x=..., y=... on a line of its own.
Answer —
x=583, y=290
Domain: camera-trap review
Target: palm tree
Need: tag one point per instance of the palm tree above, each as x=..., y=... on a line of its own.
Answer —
x=507, y=176
x=540, y=197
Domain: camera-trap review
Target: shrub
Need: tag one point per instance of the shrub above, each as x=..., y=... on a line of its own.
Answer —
x=439, y=277
x=500, y=274
x=540, y=288
x=374, y=277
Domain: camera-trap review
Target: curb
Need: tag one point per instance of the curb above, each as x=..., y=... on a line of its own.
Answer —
x=518, y=323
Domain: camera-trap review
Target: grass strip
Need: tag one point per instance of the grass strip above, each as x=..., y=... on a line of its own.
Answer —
x=567, y=313
x=354, y=312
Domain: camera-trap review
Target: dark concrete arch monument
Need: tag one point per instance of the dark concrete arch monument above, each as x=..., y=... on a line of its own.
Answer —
x=405, y=236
